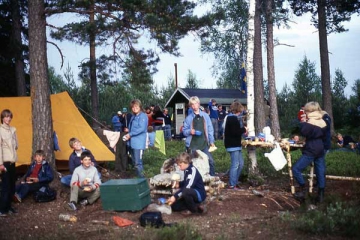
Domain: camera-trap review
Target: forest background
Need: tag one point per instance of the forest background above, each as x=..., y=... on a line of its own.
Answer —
x=100, y=91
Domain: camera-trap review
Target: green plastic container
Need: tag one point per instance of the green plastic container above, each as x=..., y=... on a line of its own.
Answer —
x=125, y=194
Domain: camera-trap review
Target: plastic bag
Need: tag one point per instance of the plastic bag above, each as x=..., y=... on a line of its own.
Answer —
x=277, y=157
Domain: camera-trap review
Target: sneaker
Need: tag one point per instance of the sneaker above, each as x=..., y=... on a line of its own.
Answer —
x=186, y=213
x=17, y=198
x=3, y=214
x=84, y=202
x=72, y=206
x=12, y=211
x=233, y=188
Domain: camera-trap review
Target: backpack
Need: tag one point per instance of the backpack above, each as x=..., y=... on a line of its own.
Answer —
x=151, y=219
x=45, y=194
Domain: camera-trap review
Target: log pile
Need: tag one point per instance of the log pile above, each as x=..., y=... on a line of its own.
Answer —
x=162, y=183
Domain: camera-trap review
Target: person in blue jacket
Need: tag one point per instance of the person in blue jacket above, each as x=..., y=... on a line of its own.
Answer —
x=199, y=132
x=117, y=121
x=38, y=175
x=136, y=136
x=191, y=191
x=214, y=117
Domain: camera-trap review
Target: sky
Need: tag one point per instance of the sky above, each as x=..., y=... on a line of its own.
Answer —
x=344, y=54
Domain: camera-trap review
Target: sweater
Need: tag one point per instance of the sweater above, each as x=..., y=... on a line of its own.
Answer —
x=234, y=129
x=81, y=173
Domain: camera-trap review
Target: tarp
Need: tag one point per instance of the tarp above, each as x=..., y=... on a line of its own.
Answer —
x=67, y=123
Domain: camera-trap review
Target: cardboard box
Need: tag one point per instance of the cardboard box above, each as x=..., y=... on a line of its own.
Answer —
x=125, y=194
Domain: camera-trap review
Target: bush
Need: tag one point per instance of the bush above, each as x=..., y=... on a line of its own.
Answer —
x=336, y=219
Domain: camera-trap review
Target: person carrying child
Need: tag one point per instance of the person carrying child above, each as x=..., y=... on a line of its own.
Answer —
x=37, y=176
x=192, y=190
x=85, y=183
x=74, y=159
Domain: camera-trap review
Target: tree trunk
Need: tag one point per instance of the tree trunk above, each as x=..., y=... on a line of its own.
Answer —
x=258, y=72
x=250, y=82
x=324, y=61
x=17, y=43
x=274, y=116
x=40, y=87
x=94, y=89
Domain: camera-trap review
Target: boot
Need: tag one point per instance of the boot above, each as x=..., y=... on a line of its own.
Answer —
x=320, y=197
x=301, y=194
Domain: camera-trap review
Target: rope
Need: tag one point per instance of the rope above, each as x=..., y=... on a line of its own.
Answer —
x=100, y=123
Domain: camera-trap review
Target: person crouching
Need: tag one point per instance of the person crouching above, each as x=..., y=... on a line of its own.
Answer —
x=191, y=191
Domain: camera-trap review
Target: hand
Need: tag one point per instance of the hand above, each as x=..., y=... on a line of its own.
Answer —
x=35, y=179
x=2, y=168
x=192, y=131
x=212, y=145
x=170, y=200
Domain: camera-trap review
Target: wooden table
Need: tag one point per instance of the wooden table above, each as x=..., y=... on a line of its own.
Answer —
x=285, y=145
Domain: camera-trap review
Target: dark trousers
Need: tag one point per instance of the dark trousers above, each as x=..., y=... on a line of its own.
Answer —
x=188, y=201
x=8, y=180
x=25, y=188
x=121, y=155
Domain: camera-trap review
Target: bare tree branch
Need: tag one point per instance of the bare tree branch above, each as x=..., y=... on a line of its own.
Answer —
x=62, y=56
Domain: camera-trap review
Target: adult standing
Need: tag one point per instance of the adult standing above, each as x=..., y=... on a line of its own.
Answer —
x=214, y=116
x=137, y=135
x=222, y=115
x=313, y=128
x=233, y=130
x=199, y=132
x=167, y=128
x=8, y=158
x=116, y=121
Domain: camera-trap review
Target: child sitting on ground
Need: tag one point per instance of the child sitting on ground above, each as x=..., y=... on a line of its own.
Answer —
x=85, y=183
x=38, y=175
x=192, y=190
x=74, y=159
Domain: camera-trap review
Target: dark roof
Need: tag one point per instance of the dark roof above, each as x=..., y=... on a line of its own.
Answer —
x=222, y=96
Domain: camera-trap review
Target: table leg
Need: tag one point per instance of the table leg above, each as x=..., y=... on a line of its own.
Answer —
x=288, y=157
x=311, y=180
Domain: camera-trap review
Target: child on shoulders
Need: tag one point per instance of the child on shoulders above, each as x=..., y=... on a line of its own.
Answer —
x=85, y=183
x=38, y=175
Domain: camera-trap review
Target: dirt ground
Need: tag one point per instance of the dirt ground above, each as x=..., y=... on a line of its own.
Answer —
x=249, y=213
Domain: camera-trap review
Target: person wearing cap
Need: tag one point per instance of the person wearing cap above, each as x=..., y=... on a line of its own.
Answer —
x=116, y=121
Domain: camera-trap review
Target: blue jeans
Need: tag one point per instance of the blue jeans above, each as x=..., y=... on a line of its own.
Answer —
x=25, y=188
x=167, y=132
x=221, y=130
x=136, y=156
x=303, y=162
x=215, y=125
x=237, y=163
x=66, y=180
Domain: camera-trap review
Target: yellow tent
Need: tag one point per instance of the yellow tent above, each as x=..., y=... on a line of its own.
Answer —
x=67, y=121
